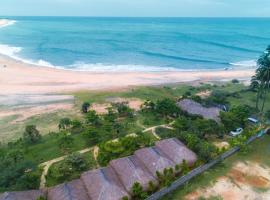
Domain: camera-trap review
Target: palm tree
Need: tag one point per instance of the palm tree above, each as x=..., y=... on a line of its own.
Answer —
x=261, y=80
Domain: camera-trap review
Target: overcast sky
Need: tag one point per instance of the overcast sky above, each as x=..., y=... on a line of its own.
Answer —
x=143, y=8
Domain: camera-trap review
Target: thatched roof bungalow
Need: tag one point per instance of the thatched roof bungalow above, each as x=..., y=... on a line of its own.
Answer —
x=131, y=170
x=25, y=195
x=176, y=151
x=103, y=184
x=73, y=190
x=154, y=160
x=195, y=108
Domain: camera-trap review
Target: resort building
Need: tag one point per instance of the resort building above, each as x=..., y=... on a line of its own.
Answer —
x=25, y=195
x=72, y=190
x=176, y=151
x=154, y=160
x=103, y=184
x=195, y=108
x=131, y=170
x=115, y=181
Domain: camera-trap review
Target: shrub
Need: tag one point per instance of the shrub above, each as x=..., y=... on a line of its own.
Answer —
x=137, y=192
x=85, y=107
x=234, y=81
x=31, y=134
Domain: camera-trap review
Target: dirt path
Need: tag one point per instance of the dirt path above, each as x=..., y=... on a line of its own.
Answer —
x=46, y=165
x=153, y=129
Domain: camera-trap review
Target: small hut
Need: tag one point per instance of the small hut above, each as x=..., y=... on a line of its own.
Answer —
x=154, y=160
x=195, y=108
x=73, y=190
x=176, y=151
x=103, y=184
x=131, y=170
x=25, y=195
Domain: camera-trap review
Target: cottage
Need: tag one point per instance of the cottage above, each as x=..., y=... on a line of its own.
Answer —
x=154, y=160
x=103, y=184
x=73, y=190
x=176, y=151
x=131, y=170
x=195, y=108
x=26, y=195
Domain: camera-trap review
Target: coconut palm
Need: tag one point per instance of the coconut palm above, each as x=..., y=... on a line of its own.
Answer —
x=261, y=80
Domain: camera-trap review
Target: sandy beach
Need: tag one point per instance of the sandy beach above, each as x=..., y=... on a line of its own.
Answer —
x=20, y=78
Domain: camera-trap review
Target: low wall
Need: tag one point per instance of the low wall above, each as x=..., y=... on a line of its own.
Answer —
x=195, y=172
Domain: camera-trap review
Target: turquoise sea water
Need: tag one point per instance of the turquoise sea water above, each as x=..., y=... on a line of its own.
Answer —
x=143, y=44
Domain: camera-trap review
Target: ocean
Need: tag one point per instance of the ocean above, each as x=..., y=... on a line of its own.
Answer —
x=136, y=44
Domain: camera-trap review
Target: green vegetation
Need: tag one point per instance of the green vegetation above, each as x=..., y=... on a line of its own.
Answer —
x=70, y=168
x=124, y=146
x=258, y=152
x=85, y=128
x=261, y=80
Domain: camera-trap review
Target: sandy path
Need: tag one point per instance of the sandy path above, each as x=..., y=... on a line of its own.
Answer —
x=20, y=78
x=46, y=165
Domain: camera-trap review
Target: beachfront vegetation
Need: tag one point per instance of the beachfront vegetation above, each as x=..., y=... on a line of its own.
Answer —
x=77, y=132
x=261, y=80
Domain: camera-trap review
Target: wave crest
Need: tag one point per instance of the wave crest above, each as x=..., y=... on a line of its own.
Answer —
x=6, y=22
x=245, y=63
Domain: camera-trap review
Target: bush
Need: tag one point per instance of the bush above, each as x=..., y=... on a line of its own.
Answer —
x=85, y=107
x=31, y=134
x=235, y=81
x=124, y=146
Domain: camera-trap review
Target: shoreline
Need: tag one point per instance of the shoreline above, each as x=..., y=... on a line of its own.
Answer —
x=17, y=77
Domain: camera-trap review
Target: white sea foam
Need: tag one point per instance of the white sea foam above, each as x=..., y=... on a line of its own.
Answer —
x=13, y=52
x=6, y=22
x=245, y=64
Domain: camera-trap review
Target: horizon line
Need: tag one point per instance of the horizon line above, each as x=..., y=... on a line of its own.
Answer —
x=85, y=16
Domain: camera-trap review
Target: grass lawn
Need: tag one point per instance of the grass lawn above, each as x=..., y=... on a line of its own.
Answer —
x=259, y=152
x=49, y=148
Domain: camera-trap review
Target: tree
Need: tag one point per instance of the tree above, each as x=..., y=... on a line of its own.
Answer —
x=123, y=109
x=92, y=118
x=31, y=134
x=167, y=107
x=85, y=107
x=65, y=141
x=137, y=192
x=261, y=80
x=64, y=123
x=77, y=162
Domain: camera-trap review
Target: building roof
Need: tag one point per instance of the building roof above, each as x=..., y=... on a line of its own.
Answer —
x=195, y=108
x=25, y=195
x=73, y=190
x=131, y=170
x=176, y=151
x=103, y=184
x=154, y=159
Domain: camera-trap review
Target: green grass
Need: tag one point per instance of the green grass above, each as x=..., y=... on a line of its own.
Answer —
x=259, y=152
x=49, y=148
x=51, y=179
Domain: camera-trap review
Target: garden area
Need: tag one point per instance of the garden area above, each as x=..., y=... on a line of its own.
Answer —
x=118, y=132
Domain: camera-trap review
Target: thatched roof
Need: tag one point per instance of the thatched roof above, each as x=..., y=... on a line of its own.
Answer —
x=73, y=190
x=25, y=195
x=131, y=170
x=176, y=151
x=154, y=159
x=195, y=108
x=103, y=184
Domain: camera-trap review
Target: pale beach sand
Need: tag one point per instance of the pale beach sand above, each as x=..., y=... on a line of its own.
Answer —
x=20, y=78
